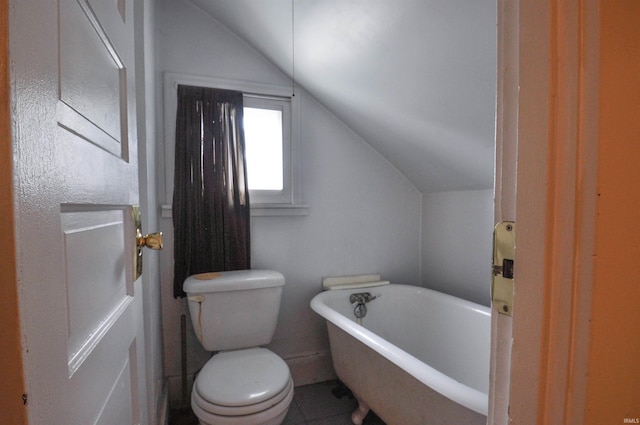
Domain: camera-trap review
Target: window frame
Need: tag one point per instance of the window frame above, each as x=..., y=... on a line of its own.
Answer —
x=285, y=204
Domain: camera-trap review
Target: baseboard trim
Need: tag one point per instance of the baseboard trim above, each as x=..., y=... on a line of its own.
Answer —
x=163, y=404
x=311, y=368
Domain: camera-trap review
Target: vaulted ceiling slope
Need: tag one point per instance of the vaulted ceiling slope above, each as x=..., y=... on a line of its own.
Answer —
x=414, y=78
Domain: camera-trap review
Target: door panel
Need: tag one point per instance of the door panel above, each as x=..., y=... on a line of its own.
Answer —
x=118, y=407
x=95, y=272
x=90, y=69
x=94, y=51
x=104, y=383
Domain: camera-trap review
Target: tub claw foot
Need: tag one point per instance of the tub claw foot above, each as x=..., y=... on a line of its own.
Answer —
x=359, y=414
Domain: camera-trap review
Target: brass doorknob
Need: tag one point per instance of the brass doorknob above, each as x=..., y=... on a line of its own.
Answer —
x=152, y=240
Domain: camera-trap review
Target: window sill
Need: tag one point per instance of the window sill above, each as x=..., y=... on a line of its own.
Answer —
x=261, y=210
x=273, y=210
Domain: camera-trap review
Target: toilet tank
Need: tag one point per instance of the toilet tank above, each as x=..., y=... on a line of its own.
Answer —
x=235, y=309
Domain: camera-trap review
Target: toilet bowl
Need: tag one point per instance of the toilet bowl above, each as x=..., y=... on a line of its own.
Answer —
x=233, y=313
x=243, y=387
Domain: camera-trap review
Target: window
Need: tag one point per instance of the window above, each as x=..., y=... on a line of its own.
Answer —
x=267, y=131
x=263, y=140
x=273, y=168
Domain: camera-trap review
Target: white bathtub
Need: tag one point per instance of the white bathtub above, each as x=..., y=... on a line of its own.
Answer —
x=419, y=357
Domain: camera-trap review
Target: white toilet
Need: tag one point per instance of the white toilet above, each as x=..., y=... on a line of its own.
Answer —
x=235, y=313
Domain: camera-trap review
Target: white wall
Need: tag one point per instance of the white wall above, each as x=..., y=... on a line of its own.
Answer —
x=364, y=215
x=457, y=232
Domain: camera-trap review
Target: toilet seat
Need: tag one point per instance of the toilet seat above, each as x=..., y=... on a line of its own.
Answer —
x=272, y=416
x=251, y=386
x=251, y=409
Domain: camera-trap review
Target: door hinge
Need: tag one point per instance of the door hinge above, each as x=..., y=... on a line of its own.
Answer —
x=502, y=269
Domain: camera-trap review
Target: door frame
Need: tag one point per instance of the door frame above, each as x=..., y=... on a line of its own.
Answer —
x=546, y=150
x=12, y=389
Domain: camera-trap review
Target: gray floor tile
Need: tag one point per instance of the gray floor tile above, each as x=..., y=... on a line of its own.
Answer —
x=294, y=416
x=342, y=419
x=316, y=401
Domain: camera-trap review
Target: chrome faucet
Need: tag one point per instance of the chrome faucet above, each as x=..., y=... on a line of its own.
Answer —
x=360, y=300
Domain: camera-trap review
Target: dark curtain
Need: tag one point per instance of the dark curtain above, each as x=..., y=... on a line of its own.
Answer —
x=210, y=194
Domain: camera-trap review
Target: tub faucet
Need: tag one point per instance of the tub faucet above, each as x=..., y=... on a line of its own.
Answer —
x=362, y=298
x=360, y=301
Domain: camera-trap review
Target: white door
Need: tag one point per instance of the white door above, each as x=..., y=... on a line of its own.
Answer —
x=75, y=174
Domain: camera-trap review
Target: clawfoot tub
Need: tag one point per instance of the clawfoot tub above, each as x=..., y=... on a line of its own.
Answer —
x=414, y=355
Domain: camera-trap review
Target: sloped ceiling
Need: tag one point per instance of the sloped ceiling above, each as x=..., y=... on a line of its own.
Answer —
x=414, y=78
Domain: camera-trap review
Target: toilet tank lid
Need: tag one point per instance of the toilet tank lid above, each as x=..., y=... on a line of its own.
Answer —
x=236, y=280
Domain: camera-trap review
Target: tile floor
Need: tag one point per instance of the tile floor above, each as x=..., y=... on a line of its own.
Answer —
x=312, y=405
